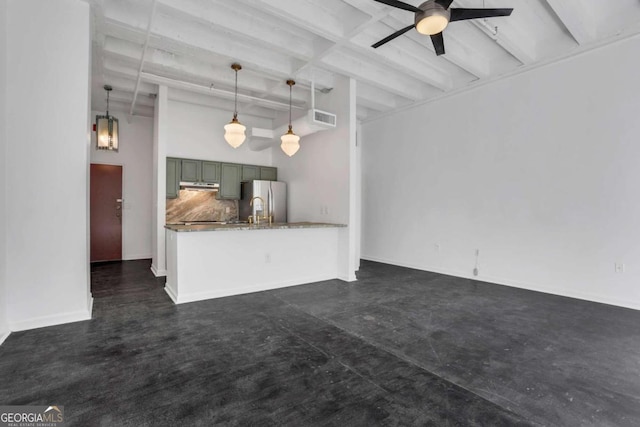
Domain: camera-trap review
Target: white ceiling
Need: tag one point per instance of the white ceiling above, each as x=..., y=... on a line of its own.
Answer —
x=191, y=44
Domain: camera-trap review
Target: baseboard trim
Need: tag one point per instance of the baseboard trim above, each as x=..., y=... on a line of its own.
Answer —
x=200, y=296
x=56, y=319
x=350, y=278
x=90, y=307
x=158, y=273
x=4, y=337
x=136, y=257
x=515, y=284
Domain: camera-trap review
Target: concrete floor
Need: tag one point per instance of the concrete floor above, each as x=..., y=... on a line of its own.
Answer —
x=398, y=347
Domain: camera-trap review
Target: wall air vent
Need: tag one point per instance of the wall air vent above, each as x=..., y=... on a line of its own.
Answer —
x=324, y=118
x=313, y=121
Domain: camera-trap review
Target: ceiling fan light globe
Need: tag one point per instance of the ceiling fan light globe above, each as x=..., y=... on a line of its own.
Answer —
x=290, y=143
x=434, y=24
x=234, y=133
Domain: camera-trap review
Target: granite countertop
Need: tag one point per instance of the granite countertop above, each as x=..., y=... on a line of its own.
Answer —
x=245, y=226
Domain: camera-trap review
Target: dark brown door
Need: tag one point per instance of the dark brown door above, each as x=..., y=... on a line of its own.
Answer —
x=106, y=213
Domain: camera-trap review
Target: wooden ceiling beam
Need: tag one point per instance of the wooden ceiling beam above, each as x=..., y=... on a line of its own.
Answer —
x=513, y=39
x=577, y=18
x=349, y=63
x=126, y=52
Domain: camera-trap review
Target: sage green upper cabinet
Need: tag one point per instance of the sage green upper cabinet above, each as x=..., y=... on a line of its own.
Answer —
x=268, y=174
x=230, y=177
x=173, y=177
x=249, y=173
x=210, y=172
x=191, y=170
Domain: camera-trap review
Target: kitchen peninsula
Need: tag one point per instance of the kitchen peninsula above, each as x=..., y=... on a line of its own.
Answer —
x=218, y=260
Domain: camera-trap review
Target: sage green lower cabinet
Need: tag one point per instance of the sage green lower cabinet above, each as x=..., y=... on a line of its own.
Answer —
x=230, y=177
x=173, y=177
x=268, y=174
x=210, y=172
x=191, y=170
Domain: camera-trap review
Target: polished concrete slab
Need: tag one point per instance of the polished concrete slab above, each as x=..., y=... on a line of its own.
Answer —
x=398, y=347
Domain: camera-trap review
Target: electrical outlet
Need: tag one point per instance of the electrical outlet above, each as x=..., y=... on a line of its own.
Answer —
x=475, y=271
x=619, y=267
x=227, y=209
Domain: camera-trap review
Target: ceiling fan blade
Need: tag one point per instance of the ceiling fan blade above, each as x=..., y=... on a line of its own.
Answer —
x=399, y=5
x=392, y=36
x=438, y=43
x=444, y=3
x=463, y=14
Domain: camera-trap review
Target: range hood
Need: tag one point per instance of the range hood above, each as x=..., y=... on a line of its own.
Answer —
x=199, y=186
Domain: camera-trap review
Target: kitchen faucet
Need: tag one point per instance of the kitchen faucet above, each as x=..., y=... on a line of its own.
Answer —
x=256, y=218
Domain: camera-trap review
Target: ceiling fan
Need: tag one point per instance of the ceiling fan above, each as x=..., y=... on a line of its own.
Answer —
x=433, y=16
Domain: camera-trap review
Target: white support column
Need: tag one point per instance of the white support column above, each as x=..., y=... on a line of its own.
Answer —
x=160, y=120
x=347, y=245
x=47, y=94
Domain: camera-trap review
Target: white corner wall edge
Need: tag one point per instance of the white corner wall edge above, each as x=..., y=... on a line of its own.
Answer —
x=58, y=319
x=585, y=296
x=200, y=296
x=4, y=337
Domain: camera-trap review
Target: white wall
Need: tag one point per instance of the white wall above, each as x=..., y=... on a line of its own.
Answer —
x=135, y=155
x=4, y=321
x=48, y=67
x=316, y=175
x=321, y=176
x=539, y=171
x=197, y=132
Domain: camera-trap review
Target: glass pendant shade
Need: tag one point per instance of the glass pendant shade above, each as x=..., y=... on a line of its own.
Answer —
x=107, y=129
x=290, y=143
x=234, y=133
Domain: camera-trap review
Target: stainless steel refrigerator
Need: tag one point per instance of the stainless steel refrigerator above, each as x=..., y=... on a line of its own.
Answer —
x=273, y=200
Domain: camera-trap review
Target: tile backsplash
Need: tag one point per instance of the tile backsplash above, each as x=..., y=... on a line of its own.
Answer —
x=200, y=206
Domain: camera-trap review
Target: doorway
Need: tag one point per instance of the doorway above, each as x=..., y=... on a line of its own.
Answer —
x=106, y=213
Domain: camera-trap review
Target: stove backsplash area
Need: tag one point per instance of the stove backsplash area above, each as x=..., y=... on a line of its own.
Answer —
x=200, y=206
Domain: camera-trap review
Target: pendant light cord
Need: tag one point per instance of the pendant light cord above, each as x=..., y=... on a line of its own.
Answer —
x=235, y=107
x=108, y=103
x=290, y=88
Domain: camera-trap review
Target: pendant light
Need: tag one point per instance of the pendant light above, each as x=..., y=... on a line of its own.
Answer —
x=107, y=128
x=234, y=131
x=290, y=141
